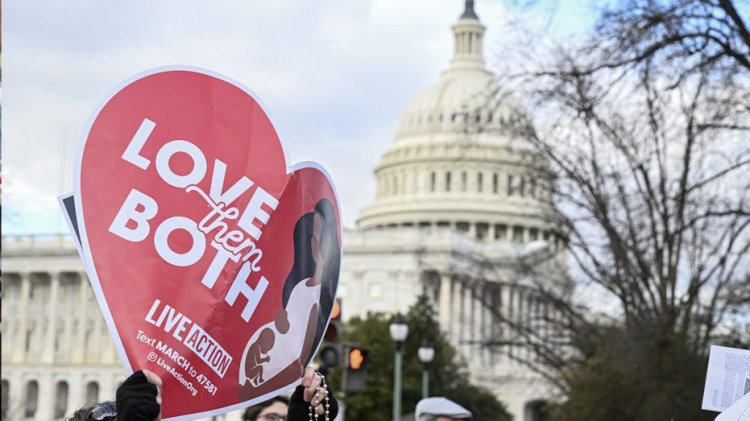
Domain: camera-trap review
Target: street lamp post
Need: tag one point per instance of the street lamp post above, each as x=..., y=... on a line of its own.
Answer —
x=425, y=354
x=399, y=330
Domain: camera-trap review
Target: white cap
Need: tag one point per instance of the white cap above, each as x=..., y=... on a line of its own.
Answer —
x=429, y=408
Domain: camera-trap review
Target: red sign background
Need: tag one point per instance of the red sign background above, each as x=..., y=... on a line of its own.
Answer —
x=141, y=191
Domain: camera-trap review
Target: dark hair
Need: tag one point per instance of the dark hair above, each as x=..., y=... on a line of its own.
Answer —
x=252, y=412
x=304, y=264
x=103, y=411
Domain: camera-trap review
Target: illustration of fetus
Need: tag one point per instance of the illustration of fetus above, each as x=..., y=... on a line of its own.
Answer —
x=257, y=355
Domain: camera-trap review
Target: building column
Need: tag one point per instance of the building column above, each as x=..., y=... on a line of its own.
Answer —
x=67, y=342
x=46, y=398
x=48, y=354
x=488, y=328
x=468, y=317
x=79, y=351
x=491, y=232
x=76, y=392
x=476, y=317
x=98, y=338
x=521, y=314
x=445, y=302
x=107, y=385
x=495, y=330
x=16, y=393
x=456, y=310
x=19, y=355
x=507, y=312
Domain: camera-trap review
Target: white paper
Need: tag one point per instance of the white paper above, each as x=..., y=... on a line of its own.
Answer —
x=740, y=411
x=727, y=379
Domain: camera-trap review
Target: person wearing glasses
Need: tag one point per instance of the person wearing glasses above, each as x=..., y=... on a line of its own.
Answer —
x=275, y=409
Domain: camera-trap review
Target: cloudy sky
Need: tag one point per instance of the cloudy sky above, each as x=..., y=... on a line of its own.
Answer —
x=334, y=76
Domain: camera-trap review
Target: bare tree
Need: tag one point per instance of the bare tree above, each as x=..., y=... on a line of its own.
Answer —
x=641, y=134
x=645, y=146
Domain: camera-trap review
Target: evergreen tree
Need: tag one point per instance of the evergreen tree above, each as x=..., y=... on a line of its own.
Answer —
x=448, y=372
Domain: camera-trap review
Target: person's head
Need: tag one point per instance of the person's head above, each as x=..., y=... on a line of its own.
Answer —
x=103, y=411
x=274, y=409
x=440, y=409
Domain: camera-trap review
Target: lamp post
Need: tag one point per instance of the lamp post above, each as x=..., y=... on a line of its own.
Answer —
x=399, y=330
x=425, y=354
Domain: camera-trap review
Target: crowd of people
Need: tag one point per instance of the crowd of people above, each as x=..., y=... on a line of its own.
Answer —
x=139, y=399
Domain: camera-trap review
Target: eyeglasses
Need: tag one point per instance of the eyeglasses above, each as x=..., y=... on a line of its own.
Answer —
x=272, y=417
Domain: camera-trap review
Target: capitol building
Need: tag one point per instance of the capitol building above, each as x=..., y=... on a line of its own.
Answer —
x=455, y=193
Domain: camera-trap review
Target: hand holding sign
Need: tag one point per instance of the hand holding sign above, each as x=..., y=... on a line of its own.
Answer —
x=214, y=267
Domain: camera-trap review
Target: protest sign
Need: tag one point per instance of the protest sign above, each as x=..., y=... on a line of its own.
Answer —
x=727, y=377
x=215, y=265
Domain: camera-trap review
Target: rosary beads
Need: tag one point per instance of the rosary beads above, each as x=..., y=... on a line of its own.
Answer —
x=313, y=414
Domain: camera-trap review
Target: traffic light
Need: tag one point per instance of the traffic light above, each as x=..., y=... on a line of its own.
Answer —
x=357, y=359
x=330, y=349
x=356, y=365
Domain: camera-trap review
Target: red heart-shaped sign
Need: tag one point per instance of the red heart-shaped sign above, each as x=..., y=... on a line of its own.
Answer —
x=215, y=267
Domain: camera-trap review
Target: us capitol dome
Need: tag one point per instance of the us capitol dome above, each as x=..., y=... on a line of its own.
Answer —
x=452, y=162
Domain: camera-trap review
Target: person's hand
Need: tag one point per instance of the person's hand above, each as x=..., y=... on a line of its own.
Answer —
x=156, y=381
x=314, y=393
x=139, y=397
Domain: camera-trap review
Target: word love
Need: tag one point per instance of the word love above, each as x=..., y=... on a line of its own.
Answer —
x=132, y=220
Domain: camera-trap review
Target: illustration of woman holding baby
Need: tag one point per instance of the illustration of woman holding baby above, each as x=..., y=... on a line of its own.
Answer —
x=275, y=350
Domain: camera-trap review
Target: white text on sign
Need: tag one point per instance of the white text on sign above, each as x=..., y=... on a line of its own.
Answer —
x=132, y=220
x=196, y=339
